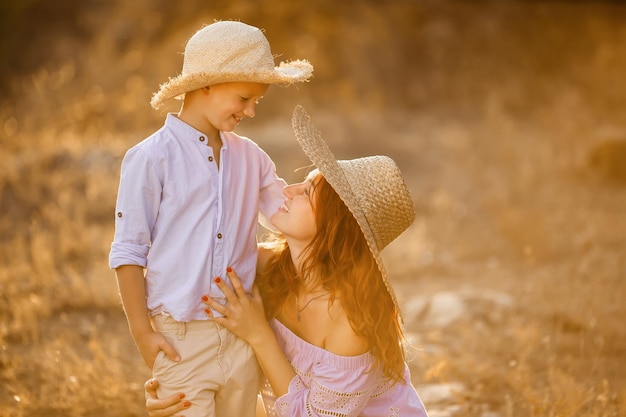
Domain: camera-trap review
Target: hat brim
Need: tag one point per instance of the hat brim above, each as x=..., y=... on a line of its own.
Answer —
x=316, y=149
x=286, y=73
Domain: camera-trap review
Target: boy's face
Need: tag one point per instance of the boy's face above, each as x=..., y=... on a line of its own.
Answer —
x=226, y=104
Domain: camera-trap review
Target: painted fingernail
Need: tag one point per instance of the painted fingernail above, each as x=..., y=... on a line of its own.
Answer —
x=181, y=396
x=205, y=298
x=218, y=280
x=209, y=312
x=229, y=269
x=186, y=404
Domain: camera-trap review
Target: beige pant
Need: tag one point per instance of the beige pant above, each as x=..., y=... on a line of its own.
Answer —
x=218, y=372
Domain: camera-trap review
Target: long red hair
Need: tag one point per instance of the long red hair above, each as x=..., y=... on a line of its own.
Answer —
x=338, y=256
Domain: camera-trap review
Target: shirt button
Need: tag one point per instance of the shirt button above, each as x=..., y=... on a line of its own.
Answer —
x=201, y=138
x=119, y=214
x=210, y=159
x=219, y=235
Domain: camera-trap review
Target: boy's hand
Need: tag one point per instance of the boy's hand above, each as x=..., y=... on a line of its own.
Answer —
x=150, y=343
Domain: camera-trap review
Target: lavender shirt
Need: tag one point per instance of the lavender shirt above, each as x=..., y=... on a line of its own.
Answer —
x=185, y=220
x=330, y=385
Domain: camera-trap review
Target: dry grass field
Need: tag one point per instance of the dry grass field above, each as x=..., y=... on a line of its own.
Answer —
x=507, y=118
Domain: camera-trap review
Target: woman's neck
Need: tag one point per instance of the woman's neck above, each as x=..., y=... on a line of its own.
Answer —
x=298, y=254
x=296, y=250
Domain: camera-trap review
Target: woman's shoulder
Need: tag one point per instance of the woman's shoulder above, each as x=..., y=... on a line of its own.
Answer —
x=341, y=339
x=326, y=328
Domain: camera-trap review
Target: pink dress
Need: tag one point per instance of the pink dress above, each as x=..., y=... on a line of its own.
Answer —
x=331, y=385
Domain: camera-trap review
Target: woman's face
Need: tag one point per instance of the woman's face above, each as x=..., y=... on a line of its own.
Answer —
x=296, y=217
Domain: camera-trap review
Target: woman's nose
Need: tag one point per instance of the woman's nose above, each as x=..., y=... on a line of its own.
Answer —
x=292, y=190
x=288, y=191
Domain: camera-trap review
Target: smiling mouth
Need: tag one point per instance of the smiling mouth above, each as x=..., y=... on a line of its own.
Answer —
x=285, y=208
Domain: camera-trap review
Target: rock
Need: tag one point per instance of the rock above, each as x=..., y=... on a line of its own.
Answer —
x=444, y=308
x=440, y=393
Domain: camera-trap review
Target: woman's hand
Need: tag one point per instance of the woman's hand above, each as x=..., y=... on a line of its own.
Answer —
x=243, y=315
x=165, y=407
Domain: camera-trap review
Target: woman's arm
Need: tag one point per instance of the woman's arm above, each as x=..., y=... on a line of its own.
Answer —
x=245, y=317
x=264, y=256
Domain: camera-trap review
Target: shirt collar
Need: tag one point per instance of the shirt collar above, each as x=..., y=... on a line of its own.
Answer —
x=185, y=130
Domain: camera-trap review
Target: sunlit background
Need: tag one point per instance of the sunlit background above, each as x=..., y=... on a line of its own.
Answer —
x=507, y=118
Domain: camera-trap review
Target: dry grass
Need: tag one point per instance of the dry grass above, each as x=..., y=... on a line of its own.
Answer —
x=492, y=118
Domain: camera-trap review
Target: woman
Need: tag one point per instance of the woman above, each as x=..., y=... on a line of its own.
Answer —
x=332, y=341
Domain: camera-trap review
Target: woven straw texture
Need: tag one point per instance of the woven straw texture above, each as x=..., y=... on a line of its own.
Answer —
x=229, y=51
x=372, y=188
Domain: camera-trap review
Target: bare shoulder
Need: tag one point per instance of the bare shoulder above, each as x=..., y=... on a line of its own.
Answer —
x=340, y=338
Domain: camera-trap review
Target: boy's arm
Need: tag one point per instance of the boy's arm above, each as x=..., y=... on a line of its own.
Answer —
x=131, y=284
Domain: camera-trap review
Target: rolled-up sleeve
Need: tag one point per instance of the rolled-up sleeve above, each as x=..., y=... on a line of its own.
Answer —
x=136, y=209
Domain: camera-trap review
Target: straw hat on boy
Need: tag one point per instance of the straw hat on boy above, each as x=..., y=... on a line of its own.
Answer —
x=229, y=51
x=372, y=188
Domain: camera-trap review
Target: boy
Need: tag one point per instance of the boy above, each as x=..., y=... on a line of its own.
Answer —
x=186, y=211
